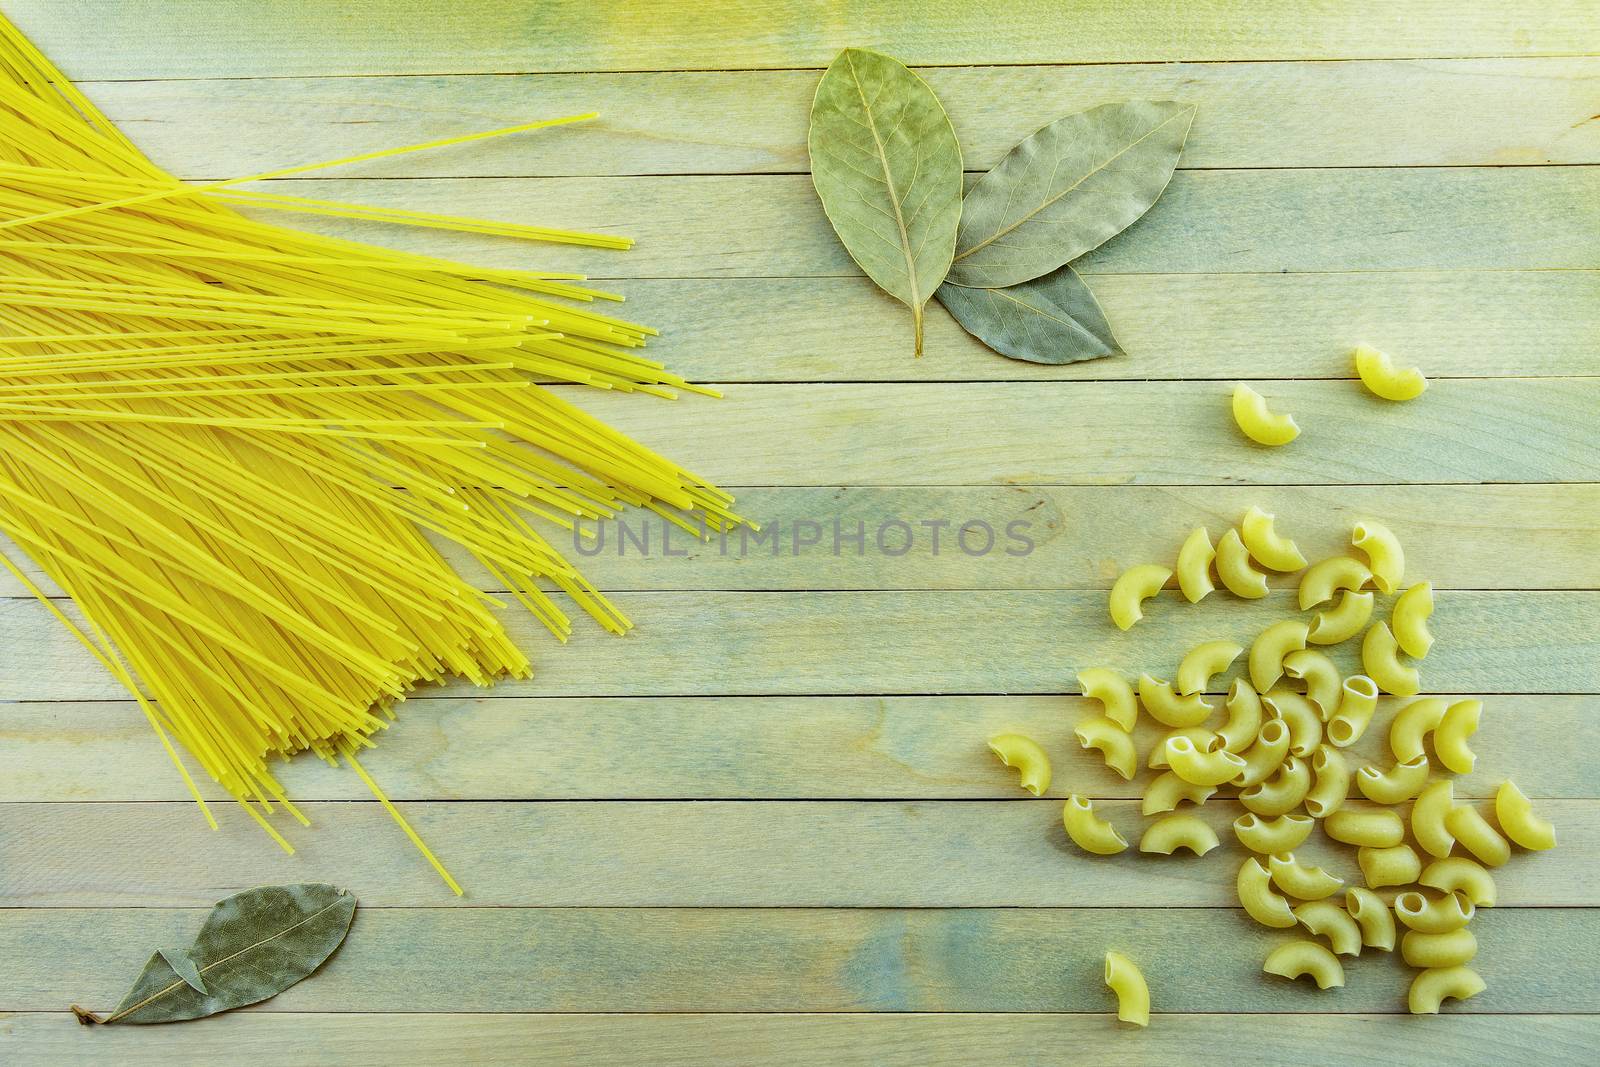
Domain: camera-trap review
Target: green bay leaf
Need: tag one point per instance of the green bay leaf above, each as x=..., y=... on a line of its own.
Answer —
x=1066, y=189
x=887, y=168
x=254, y=945
x=1053, y=319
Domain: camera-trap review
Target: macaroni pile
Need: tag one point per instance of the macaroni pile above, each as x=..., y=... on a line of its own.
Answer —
x=1287, y=717
x=235, y=446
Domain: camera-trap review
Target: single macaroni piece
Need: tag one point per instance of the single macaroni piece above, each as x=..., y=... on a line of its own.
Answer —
x=1202, y=739
x=1090, y=832
x=1409, y=620
x=1380, y=828
x=1127, y=982
x=1269, y=648
x=1167, y=791
x=1300, y=958
x=1328, y=576
x=1372, y=915
x=1324, y=918
x=1258, y=899
x=1244, y=717
x=1173, y=832
x=1427, y=818
x=1114, y=693
x=1202, y=768
x=1235, y=569
x=1266, y=755
x=1438, y=950
x=1411, y=724
x=1258, y=422
x=1342, y=622
x=1450, y=736
x=1266, y=546
x=1114, y=744
x=1380, y=660
x=1385, y=557
x=1433, y=915
x=1384, y=379
x=1324, y=686
x=1475, y=834
x=1194, y=565
x=1457, y=874
x=1358, y=700
x=1331, y=783
x=1382, y=867
x=1204, y=662
x=1514, y=812
x=1434, y=986
x=1395, y=785
x=1281, y=793
x=1298, y=880
x=1133, y=587
x=1167, y=707
x=1300, y=716
x=1267, y=836
x=1026, y=756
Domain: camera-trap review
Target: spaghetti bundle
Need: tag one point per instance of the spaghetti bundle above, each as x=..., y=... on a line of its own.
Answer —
x=235, y=445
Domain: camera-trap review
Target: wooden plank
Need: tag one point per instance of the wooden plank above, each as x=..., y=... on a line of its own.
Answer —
x=889, y=642
x=520, y=748
x=1361, y=114
x=1472, y=430
x=1216, y=221
x=1456, y=536
x=145, y=39
x=698, y=960
x=1033, y=1039
x=703, y=854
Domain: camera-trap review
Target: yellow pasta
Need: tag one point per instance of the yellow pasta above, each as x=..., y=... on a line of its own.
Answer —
x=1298, y=880
x=1133, y=996
x=1457, y=874
x=1266, y=755
x=1450, y=736
x=1269, y=648
x=1244, y=717
x=1395, y=865
x=1380, y=661
x=1399, y=783
x=1258, y=422
x=1379, y=828
x=1324, y=686
x=1204, y=662
x=1266, y=836
x=1449, y=949
x=1114, y=744
x=1027, y=757
x=1238, y=575
x=1202, y=739
x=1331, y=782
x=1343, y=621
x=1385, y=557
x=1167, y=791
x=1431, y=988
x=1514, y=812
x=1166, y=835
x=1134, y=586
x=1281, y=793
x=1258, y=899
x=1427, y=818
x=1087, y=830
x=1169, y=709
x=1258, y=531
x=1114, y=693
x=1373, y=916
x=1324, y=918
x=1412, y=723
x=1300, y=716
x=1357, y=701
x=1409, y=620
x=1299, y=959
x=1433, y=915
x=1473, y=832
x=1199, y=767
x=1329, y=576
x=1382, y=378
x=1194, y=565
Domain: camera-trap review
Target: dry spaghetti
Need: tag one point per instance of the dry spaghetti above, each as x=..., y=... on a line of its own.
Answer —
x=228, y=442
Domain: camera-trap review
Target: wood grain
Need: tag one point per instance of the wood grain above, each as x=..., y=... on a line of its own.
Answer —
x=145, y=39
x=893, y=642
x=743, y=960
x=1031, y=1039
x=1217, y=221
x=762, y=748
x=703, y=854
x=1358, y=114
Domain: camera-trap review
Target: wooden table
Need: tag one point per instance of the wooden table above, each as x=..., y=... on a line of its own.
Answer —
x=764, y=828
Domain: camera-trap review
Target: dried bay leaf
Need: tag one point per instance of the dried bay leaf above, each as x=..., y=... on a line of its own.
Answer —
x=1054, y=319
x=253, y=946
x=887, y=169
x=1066, y=189
x=184, y=968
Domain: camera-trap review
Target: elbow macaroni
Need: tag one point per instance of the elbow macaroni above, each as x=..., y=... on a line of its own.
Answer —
x=1027, y=757
x=1298, y=880
x=1204, y=741
x=1514, y=812
x=1411, y=724
x=1165, y=836
x=1114, y=693
x=1396, y=785
x=1266, y=546
x=1382, y=867
x=1266, y=755
x=1329, y=576
x=1244, y=717
x=1457, y=874
x=1133, y=996
x=1331, y=785
x=1438, y=950
x=1357, y=701
x=1432, y=987
x=1132, y=588
x=1258, y=422
x=1204, y=662
x=1234, y=568
x=1298, y=714
x=1324, y=918
x=1168, y=791
x=1324, y=686
x=1379, y=828
x=1211, y=768
x=1475, y=834
x=1258, y=899
x=1087, y=830
x=1300, y=958
x=1194, y=565
x=1409, y=620
x=1167, y=707
x=1372, y=915
x=1427, y=818
x=1382, y=378
x=1114, y=744
x=1281, y=793
x=1380, y=660
x=1385, y=558
x=1342, y=622
x=1268, y=836
x=1269, y=648
x=1433, y=915
x=1450, y=736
